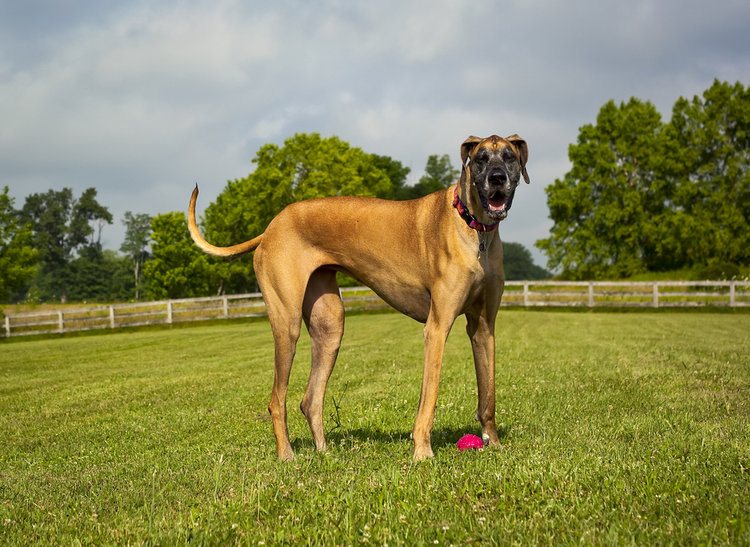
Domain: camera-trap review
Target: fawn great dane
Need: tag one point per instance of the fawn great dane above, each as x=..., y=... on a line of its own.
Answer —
x=432, y=258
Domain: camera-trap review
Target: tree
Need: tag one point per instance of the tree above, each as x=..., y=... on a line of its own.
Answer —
x=87, y=210
x=99, y=276
x=607, y=208
x=439, y=174
x=709, y=140
x=177, y=268
x=396, y=173
x=306, y=166
x=48, y=215
x=519, y=264
x=135, y=244
x=646, y=196
x=61, y=226
x=18, y=257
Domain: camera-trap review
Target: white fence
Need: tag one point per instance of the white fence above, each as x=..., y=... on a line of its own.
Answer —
x=616, y=294
x=660, y=294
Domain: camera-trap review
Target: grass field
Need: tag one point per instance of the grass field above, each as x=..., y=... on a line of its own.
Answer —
x=616, y=428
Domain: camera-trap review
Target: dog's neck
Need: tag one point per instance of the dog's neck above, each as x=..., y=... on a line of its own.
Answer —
x=470, y=220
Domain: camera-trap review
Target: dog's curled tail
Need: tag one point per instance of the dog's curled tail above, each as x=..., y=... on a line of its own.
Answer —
x=205, y=246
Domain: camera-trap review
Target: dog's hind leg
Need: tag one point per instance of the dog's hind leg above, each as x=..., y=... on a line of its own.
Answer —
x=285, y=335
x=323, y=312
x=283, y=299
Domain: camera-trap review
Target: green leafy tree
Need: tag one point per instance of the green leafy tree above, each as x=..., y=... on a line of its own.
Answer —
x=519, y=264
x=709, y=140
x=646, y=196
x=98, y=275
x=18, y=258
x=61, y=226
x=135, y=244
x=86, y=212
x=306, y=166
x=607, y=208
x=396, y=173
x=439, y=174
x=177, y=268
x=48, y=215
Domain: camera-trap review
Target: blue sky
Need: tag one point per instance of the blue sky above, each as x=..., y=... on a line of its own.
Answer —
x=143, y=99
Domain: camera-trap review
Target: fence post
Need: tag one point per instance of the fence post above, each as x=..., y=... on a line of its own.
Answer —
x=60, y=323
x=225, y=303
x=591, y=294
x=732, y=295
x=111, y=317
x=525, y=294
x=656, y=295
x=169, y=312
x=7, y=326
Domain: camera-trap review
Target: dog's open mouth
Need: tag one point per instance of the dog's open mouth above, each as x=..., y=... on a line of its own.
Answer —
x=498, y=204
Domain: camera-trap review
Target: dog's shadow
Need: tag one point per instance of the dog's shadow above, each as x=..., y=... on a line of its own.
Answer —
x=440, y=437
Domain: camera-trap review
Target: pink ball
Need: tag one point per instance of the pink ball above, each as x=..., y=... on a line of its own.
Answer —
x=469, y=442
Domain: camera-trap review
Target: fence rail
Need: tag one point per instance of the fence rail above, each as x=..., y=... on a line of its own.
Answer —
x=658, y=294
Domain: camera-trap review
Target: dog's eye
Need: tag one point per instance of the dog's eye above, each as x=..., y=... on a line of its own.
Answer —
x=508, y=155
x=482, y=157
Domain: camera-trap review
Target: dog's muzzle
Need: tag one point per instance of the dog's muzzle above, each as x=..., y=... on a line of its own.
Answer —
x=498, y=194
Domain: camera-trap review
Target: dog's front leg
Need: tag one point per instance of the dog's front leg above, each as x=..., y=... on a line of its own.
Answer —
x=435, y=334
x=481, y=331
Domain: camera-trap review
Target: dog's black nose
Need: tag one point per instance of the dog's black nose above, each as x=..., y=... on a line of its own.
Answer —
x=497, y=176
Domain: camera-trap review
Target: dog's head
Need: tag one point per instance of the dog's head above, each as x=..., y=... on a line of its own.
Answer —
x=494, y=165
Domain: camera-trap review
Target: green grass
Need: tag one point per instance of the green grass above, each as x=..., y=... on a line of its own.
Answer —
x=616, y=428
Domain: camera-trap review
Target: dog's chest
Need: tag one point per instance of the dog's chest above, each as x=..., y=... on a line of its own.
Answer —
x=485, y=268
x=485, y=272
x=484, y=256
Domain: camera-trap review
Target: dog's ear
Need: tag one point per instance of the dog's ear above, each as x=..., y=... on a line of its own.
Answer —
x=466, y=147
x=523, y=152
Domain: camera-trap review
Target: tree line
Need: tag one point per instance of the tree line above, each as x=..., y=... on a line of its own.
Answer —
x=50, y=248
x=644, y=195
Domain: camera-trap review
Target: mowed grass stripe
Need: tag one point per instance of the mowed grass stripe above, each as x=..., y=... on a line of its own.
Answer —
x=616, y=428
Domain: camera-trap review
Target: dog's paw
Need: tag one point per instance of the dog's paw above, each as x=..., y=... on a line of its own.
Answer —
x=423, y=453
x=490, y=440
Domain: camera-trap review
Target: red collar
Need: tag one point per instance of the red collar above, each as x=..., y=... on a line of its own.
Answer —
x=470, y=220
